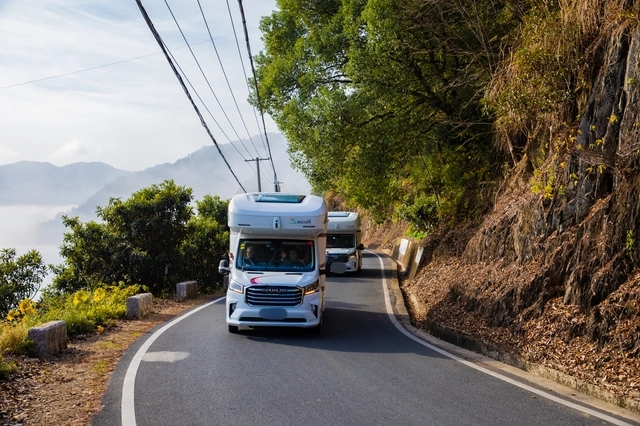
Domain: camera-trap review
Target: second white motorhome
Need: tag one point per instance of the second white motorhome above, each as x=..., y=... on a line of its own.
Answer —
x=344, y=242
x=277, y=258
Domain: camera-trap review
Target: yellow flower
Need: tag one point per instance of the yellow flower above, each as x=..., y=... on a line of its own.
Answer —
x=79, y=297
x=99, y=294
x=27, y=307
x=13, y=314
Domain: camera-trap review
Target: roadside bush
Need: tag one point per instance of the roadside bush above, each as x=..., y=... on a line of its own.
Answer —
x=207, y=243
x=6, y=368
x=421, y=212
x=14, y=338
x=153, y=238
x=84, y=311
x=20, y=277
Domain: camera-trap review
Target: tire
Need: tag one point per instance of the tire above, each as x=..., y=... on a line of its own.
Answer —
x=233, y=329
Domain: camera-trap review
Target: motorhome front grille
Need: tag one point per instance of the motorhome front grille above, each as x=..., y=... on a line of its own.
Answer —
x=337, y=258
x=273, y=296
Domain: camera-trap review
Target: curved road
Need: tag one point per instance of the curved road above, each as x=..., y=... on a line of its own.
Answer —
x=363, y=368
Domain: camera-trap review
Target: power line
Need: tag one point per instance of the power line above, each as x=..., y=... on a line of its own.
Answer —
x=244, y=72
x=78, y=71
x=224, y=73
x=211, y=88
x=205, y=76
x=205, y=105
x=156, y=35
x=124, y=61
x=255, y=82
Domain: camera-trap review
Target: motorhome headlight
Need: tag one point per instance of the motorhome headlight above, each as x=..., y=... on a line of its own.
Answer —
x=312, y=288
x=236, y=286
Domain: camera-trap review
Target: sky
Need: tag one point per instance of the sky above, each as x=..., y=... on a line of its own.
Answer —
x=85, y=80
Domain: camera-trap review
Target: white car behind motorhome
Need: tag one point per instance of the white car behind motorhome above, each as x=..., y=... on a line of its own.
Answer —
x=277, y=258
x=344, y=242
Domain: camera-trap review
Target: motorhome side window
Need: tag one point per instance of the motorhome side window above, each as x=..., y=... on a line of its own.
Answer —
x=340, y=241
x=276, y=255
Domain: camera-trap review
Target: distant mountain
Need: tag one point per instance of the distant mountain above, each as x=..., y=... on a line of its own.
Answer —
x=204, y=171
x=43, y=184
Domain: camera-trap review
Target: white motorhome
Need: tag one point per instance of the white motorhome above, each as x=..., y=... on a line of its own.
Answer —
x=277, y=258
x=344, y=242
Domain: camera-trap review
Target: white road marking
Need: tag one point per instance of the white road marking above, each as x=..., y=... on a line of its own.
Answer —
x=128, y=415
x=127, y=407
x=165, y=356
x=528, y=388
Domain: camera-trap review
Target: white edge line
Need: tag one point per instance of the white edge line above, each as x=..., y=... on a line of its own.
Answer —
x=521, y=385
x=127, y=407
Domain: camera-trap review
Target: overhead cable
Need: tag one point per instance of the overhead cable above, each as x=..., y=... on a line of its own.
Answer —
x=244, y=72
x=205, y=106
x=225, y=77
x=255, y=83
x=205, y=77
x=156, y=35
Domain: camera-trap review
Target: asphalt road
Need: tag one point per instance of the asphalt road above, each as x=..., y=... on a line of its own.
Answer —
x=362, y=369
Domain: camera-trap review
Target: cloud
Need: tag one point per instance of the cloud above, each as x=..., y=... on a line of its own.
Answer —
x=8, y=155
x=77, y=149
x=85, y=75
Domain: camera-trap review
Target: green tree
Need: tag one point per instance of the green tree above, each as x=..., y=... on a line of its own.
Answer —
x=207, y=243
x=92, y=253
x=137, y=242
x=381, y=99
x=20, y=277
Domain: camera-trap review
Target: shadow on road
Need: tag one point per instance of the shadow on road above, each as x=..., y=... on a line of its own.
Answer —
x=348, y=326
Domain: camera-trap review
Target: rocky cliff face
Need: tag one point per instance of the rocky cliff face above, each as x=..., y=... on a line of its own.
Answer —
x=553, y=274
x=583, y=235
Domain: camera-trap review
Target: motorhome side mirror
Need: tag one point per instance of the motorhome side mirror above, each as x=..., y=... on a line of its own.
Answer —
x=223, y=267
x=360, y=247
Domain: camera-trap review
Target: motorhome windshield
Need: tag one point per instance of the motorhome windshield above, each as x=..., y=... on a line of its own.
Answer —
x=276, y=255
x=341, y=241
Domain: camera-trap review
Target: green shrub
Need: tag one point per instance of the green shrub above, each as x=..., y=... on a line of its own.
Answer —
x=13, y=338
x=83, y=311
x=6, y=368
x=20, y=277
x=421, y=212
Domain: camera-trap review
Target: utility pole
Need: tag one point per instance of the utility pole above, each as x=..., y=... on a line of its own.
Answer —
x=258, y=160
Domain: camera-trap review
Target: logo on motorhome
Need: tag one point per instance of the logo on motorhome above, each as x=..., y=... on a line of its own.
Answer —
x=294, y=221
x=270, y=290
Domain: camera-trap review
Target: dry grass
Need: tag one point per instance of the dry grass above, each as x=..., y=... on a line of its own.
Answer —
x=68, y=389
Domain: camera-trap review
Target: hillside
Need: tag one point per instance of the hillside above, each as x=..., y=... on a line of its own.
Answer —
x=550, y=274
x=204, y=171
x=43, y=184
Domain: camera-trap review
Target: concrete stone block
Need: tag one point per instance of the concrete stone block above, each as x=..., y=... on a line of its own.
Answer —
x=403, y=254
x=139, y=306
x=49, y=338
x=415, y=264
x=187, y=290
